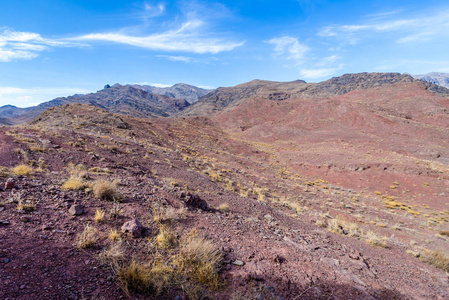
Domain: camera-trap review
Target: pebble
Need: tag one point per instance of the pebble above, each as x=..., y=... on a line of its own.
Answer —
x=238, y=262
x=7, y=260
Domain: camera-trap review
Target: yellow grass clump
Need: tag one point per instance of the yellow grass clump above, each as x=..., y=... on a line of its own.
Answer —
x=87, y=238
x=22, y=170
x=99, y=215
x=106, y=190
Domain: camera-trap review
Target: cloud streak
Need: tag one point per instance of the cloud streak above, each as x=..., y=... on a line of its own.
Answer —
x=410, y=30
x=187, y=38
x=16, y=45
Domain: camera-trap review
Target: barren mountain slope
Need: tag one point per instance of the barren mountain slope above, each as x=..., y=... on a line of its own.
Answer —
x=283, y=229
x=222, y=98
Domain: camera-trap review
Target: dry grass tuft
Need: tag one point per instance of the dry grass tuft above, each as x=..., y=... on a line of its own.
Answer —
x=136, y=277
x=438, y=259
x=202, y=260
x=166, y=214
x=22, y=170
x=166, y=239
x=376, y=240
x=113, y=255
x=87, y=238
x=114, y=235
x=99, y=216
x=105, y=190
x=73, y=184
x=4, y=171
x=224, y=207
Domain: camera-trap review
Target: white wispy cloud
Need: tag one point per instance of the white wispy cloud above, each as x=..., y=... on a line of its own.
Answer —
x=319, y=72
x=289, y=48
x=25, y=97
x=152, y=11
x=25, y=45
x=187, y=38
x=408, y=30
x=176, y=58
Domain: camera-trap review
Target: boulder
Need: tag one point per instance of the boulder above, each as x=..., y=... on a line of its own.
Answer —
x=194, y=201
x=134, y=227
x=76, y=209
x=10, y=184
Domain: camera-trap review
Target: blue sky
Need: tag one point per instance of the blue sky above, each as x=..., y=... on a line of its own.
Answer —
x=51, y=48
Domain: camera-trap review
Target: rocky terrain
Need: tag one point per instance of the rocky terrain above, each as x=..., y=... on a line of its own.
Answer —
x=180, y=90
x=441, y=79
x=338, y=193
x=222, y=98
x=135, y=100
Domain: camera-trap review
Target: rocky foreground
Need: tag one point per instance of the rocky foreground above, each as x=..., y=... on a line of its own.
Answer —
x=97, y=205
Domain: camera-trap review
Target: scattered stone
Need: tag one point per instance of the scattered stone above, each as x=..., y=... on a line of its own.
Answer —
x=25, y=219
x=279, y=259
x=134, y=227
x=7, y=260
x=76, y=210
x=238, y=262
x=194, y=201
x=10, y=184
x=4, y=222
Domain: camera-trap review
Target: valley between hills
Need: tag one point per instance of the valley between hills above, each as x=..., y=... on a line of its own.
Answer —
x=265, y=190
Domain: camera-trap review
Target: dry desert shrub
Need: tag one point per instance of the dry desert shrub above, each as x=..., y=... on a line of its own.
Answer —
x=166, y=239
x=22, y=170
x=438, y=259
x=76, y=179
x=73, y=184
x=87, y=238
x=106, y=190
x=113, y=254
x=166, y=214
x=201, y=259
x=375, y=239
x=135, y=276
x=4, y=171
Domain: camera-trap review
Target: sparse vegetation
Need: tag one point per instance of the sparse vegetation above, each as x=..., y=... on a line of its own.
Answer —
x=224, y=207
x=73, y=184
x=22, y=169
x=106, y=190
x=114, y=235
x=87, y=238
x=166, y=239
x=99, y=216
x=202, y=260
x=438, y=259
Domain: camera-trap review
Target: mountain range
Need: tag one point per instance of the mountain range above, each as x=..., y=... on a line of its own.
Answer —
x=441, y=79
x=182, y=99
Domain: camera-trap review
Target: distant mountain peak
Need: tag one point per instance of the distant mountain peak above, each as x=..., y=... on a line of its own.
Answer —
x=441, y=79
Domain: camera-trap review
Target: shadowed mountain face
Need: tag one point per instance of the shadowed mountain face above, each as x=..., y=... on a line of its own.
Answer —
x=9, y=111
x=180, y=90
x=441, y=79
x=125, y=100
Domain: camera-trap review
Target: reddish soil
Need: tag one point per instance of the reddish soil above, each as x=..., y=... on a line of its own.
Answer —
x=292, y=168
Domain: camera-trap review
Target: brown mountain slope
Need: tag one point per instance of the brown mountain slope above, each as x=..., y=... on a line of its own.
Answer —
x=329, y=208
x=222, y=98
